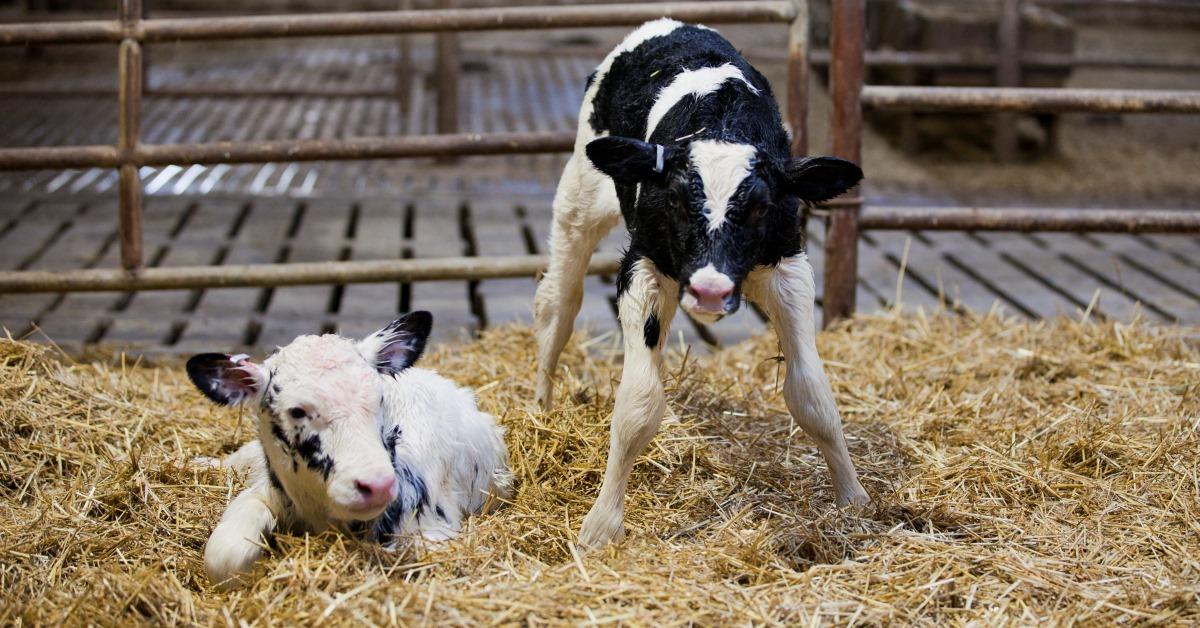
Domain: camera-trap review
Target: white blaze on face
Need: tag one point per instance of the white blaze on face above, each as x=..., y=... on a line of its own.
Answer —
x=698, y=83
x=722, y=167
x=704, y=298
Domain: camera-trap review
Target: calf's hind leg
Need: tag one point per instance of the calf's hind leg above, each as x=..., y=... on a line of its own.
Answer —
x=585, y=209
x=787, y=293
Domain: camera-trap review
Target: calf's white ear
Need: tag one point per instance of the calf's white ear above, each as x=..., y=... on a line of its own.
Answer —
x=226, y=379
x=819, y=179
x=627, y=160
x=399, y=345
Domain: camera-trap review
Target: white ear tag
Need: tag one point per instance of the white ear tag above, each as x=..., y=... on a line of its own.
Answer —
x=658, y=159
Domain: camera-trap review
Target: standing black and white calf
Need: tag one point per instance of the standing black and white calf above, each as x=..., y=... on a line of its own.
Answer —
x=679, y=135
x=349, y=436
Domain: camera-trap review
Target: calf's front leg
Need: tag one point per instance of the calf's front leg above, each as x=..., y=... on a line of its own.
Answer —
x=646, y=308
x=787, y=293
x=236, y=543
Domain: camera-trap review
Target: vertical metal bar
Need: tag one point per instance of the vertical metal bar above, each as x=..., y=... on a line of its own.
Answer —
x=447, y=73
x=404, y=66
x=129, y=95
x=846, y=78
x=1008, y=74
x=797, y=79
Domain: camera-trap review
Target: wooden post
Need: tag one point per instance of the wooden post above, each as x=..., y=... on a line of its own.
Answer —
x=129, y=90
x=1008, y=74
x=846, y=78
x=797, y=79
x=447, y=73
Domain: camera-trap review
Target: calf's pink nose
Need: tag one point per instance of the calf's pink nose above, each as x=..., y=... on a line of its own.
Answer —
x=376, y=491
x=710, y=297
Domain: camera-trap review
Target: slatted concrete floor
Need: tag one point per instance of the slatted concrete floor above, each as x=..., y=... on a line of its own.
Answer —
x=1027, y=275
x=380, y=210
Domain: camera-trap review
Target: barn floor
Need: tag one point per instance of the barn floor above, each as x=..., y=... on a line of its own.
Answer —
x=1022, y=473
x=493, y=206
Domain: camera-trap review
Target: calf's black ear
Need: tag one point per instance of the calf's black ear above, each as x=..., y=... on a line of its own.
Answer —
x=399, y=345
x=627, y=160
x=819, y=179
x=226, y=379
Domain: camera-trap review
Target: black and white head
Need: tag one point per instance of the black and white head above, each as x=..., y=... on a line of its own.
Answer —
x=716, y=209
x=320, y=405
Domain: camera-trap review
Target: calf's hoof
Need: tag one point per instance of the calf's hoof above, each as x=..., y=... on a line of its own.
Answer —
x=545, y=393
x=601, y=527
x=855, y=497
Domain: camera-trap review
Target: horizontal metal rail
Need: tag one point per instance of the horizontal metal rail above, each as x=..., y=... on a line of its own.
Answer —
x=411, y=146
x=1030, y=219
x=1029, y=99
x=292, y=274
x=391, y=22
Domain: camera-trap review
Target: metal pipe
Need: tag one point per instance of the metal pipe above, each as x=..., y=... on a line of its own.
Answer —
x=1030, y=99
x=293, y=274
x=412, y=146
x=395, y=22
x=448, y=69
x=846, y=78
x=1030, y=219
x=1008, y=74
x=130, y=71
x=797, y=79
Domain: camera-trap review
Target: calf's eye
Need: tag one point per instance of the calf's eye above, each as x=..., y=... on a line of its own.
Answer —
x=297, y=413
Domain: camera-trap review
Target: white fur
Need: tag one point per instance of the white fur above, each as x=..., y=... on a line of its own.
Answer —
x=640, y=400
x=786, y=292
x=722, y=167
x=699, y=83
x=444, y=439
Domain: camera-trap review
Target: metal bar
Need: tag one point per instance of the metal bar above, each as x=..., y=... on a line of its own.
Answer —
x=395, y=22
x=463, y=144
x=294, y=274
x=1030, y=219
x=448, y=70
x=1008, y=74
x=129, y=184
x=797, y=79
x=846, y=78
x=1030, y=99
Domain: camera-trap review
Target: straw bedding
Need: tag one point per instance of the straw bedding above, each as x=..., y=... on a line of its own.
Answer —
x=1021, y=472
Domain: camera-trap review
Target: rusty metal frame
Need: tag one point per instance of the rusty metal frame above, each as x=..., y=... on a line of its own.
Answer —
x=850, y=95
x=130, y=32
x=846, y=58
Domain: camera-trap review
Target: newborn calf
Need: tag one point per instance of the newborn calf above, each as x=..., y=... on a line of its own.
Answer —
x=350, y=437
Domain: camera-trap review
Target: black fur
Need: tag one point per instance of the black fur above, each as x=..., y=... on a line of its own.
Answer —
x=309, y=450
x=667, y=222
x=216, y=375
x=651, y=331
x=407, y=336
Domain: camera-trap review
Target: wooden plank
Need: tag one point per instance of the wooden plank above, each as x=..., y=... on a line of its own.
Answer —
x=293, y=311
x=1041, y=262
x=497, y=231
x=84, y=317
x=379, y=235
x=221, y=320
x=151, y=317
x=436, y=233
x=1159, y=276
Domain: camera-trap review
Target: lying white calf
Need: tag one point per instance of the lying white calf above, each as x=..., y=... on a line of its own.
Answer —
x=350, y=437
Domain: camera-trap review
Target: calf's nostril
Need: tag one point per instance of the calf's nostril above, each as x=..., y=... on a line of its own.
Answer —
x=363, y=489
